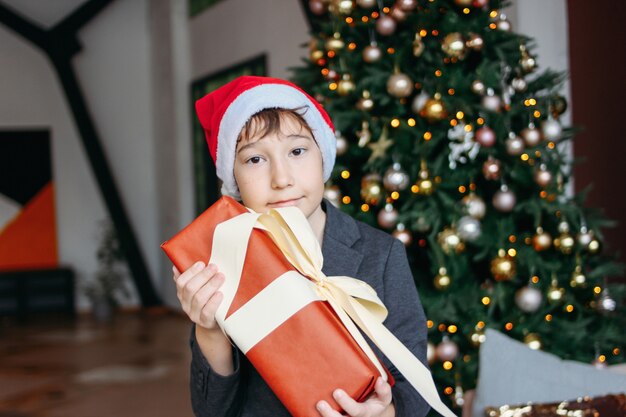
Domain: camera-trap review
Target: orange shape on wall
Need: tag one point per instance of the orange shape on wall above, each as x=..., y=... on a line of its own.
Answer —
x=29, y=241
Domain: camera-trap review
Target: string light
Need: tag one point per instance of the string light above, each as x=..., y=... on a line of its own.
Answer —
x=349, y=20
x=616, y=351
x=448, y=390
x=524, y=157
x=452, y=329
x=438, y=73
x=480, y=325
x=480, y=121
x=442, y=327
x=451, y=92
x=453, y=122
x=597, y=290
x=332, y=86
x=345, y=174
x=486, y=300
x=460, y=115
x=346, y=199
x=411, y=122
x=569, y=308
x=466, y=10
x=535, y=279
x=390, y=51
x=352, y=46
x=512, y=239
x=462, y=189
x=548, y=317
x=423, y=33
x=508, y=326
x=468, y=128
x=331, y=54
x=365, y=207
x=428, y=136
x=447, y=365
x=365, y=19
x=537, y=114
x=430, y=324
x=395, y=195
x=395, y=122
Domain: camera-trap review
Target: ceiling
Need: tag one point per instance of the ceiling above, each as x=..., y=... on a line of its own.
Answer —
x=46, y=13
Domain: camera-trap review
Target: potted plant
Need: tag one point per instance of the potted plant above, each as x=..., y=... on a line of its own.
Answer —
x=108, y=287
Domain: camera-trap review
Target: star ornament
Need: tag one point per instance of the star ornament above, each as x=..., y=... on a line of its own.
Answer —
x=379, y=148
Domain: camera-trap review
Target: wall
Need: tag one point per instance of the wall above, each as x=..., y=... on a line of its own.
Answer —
x=114, y=72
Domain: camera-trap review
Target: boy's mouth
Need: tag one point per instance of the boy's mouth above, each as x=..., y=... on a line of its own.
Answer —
x=285, y=203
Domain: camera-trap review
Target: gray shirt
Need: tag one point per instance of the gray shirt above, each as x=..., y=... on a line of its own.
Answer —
x=350, y=248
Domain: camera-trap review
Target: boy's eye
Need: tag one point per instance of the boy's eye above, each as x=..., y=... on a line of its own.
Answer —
x=254, y=160
x=298, y=151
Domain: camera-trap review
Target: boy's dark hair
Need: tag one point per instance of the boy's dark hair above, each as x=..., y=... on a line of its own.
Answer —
x=268, y=121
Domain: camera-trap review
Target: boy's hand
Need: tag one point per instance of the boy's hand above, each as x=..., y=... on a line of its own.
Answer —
x=197, y=291
x=377, y=405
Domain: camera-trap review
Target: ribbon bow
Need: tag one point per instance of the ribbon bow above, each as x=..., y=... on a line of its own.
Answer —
x=354, y=301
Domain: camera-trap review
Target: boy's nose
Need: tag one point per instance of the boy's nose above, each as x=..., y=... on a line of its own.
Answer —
x=281, y=175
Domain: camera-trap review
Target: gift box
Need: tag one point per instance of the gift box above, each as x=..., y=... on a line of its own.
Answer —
x=304, y=358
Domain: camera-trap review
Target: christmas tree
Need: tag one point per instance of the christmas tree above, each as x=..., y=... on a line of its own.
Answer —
x=448, y=136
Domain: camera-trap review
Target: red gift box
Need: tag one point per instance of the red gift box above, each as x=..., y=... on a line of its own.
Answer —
x=310, y=354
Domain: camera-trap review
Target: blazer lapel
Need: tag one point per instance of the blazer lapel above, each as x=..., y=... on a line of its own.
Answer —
x=340, y=234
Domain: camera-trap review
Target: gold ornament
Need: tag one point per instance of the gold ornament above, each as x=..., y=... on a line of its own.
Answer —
x=594, y=246
x=578, y=277
x=424, y=184
x=342, y=143
x=434, y=110
x=379, y=148
x=555, y=293
x=477, y=337
x=442, y=280
x=558, y=105
x=399, y=85
x=430, y=353
x=526, y=61
x=533, y=341
x=316, y=55
x=364, y=134
x=565, y=242
x=365, y=103
x=418, y=45
x=541, y=240
x=341, y=7
x=450, y=241
x=335, y=43
x=454, y=45
x=371, y=189
x=503, y=266
x=346, y=85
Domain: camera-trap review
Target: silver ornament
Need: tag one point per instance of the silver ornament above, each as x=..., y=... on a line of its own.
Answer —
x=333, y=194
x=478, y=87
x=551, y=129
x=468, y=228
x=543, y=177
x=491, y=101
x=584, y=237
x=605, y=303
x=407, y=5
x=504, y=199
x=342, y=143
x=317, y=7
x=402, y=234
x=528, y=299
x=385, y=25
x=430, y=353
x=400, y=85
x=531, y=135
x=397, y=14
x=396, y=178
x=372, y=53
x=514, y=145
x=474, y=206
x=366, y=4
x=388, y=216
x=419, y=102
x=447, y=350
x=503, y=23
x=519, y=84
x=486, y=136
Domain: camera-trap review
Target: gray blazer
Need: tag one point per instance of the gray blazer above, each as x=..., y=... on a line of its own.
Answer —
x=350, y=248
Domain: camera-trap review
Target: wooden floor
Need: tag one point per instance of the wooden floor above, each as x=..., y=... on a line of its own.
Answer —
x=136, y=366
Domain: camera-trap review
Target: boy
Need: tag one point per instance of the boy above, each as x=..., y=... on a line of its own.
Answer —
x=274, y=146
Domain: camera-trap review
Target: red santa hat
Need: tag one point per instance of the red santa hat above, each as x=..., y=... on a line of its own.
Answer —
x=224, y=112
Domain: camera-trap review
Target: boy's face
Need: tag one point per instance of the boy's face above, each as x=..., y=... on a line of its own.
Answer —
x=281, y=169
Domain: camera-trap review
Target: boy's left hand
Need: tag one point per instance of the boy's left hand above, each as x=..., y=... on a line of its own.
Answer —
x=377, y=405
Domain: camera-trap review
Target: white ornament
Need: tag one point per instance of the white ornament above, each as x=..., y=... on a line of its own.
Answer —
x=551, y=129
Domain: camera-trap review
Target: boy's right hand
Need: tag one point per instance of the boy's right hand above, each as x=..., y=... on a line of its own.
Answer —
x=197, y=290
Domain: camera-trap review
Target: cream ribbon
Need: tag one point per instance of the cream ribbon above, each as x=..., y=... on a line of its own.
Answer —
x=353, y=300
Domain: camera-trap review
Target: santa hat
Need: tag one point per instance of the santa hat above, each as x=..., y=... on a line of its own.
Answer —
x=224, y=112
